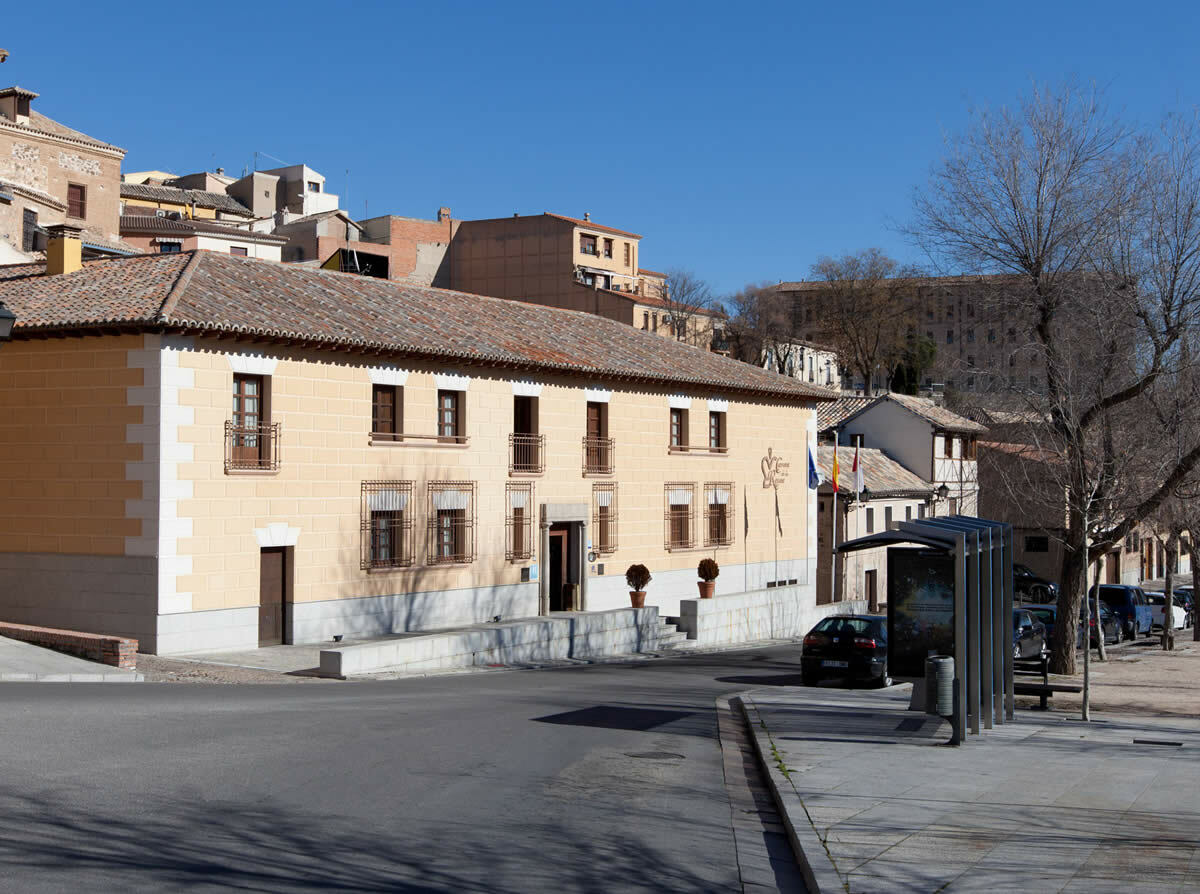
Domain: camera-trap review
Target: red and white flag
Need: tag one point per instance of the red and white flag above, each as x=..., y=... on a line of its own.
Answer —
x=859, y=482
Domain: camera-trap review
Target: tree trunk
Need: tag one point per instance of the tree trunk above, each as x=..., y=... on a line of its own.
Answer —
x=1168, y=626
x=1101, y=649
x=1074, y=577
x=1195, y=584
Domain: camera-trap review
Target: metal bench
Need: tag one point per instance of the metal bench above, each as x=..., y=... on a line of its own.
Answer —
x=1044, y=690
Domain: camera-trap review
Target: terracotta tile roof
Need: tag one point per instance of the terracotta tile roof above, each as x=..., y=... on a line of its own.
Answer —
x=176, y=196
x=651, y=272
x=831, y=414
x=882, y=475
x=196, y=291
x=152, y=223
x=41, y=124
x=937, y=415
x=591, y=225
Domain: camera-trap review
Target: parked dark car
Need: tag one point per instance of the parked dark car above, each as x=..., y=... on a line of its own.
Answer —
x=853, y=647
x=1031, y=587
x=1048, y=615
x=1029, y=635
x=1109, y=623
x=1129, y=604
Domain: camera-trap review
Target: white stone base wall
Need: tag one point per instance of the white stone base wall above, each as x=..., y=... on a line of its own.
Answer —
x=315, y=622
x=778, y=613
x=211, y=631
x=558, y=636
x=669, y=589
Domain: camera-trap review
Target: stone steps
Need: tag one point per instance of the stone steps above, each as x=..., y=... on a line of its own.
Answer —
x=671, y=638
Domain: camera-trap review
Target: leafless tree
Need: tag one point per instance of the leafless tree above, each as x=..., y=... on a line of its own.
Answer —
x=867, y=312
x=759, y=325
x=1097, y=227
x=689, y=302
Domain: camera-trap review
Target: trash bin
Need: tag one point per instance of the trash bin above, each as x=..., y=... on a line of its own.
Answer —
x=940, y=672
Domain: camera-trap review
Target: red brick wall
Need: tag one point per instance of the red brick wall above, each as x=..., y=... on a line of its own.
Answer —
x=117, y=651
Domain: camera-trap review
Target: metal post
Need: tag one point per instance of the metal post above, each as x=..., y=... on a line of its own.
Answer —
x=999, y=557
x=1006, y=614
x=960, y=636
x=833, y=562
x=973, y=629
x=985, y=625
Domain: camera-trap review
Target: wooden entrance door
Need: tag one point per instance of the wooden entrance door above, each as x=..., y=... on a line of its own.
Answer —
x=558, y=568
x=272, y=595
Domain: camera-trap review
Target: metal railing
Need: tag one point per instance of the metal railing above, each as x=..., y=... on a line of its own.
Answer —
x=526, y=454
x=251, y=447
x=400, y=437
x=598, y=456
x=695, y=448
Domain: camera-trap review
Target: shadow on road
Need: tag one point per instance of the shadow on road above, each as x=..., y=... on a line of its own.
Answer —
x=54, y=842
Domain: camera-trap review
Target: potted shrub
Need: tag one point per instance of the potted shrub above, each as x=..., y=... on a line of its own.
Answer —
x=637, y=576
x=707, y=570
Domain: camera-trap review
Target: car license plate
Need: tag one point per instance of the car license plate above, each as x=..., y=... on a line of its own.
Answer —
x=830, y=663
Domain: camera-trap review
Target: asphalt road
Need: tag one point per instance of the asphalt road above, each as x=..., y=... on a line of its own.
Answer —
x=603, y=778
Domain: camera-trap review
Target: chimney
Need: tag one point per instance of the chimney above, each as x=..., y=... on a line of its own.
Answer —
x=220, y=172
x=443, y=214
x=587, y=215
x=64, y=251
x=14, y=104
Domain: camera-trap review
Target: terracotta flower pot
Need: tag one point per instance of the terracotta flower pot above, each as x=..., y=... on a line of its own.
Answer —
x=707, y=588
x=637, y=598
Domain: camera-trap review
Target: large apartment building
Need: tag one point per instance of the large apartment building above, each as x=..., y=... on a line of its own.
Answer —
x=52, y=174
x=226, y=452
x=982, y=345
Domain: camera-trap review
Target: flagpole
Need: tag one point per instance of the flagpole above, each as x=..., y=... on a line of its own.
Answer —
x=833, y=545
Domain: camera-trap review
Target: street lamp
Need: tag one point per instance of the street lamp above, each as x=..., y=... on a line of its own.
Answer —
x=7, y=319
x=943, y=492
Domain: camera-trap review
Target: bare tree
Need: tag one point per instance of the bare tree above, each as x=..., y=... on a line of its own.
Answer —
x=867, y=304
x=1098, y=230
x=689, y=302
x=759, y=326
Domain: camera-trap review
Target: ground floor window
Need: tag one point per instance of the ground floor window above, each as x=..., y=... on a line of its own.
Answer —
x=678, y=515
x=518, y=525
x=718, y=511
x=451, y=522
x=604, y=516
x=386, y=524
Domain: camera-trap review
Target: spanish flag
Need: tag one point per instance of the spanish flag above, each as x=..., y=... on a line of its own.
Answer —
x=835, y=468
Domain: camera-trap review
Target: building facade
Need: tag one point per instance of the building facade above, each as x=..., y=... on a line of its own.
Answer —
x=229, y=452
x=161, y=234
x=51, y=174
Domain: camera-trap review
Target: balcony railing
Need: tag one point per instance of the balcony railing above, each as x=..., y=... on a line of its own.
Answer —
x=408, y=437
x=252, y=447
x=598, y=456
x=695, y=448
x=526, y=454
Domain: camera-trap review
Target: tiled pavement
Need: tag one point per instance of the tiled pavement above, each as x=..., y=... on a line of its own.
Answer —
x=1044, y=803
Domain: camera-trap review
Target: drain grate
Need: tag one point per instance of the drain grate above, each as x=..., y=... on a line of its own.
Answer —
x=655, y=755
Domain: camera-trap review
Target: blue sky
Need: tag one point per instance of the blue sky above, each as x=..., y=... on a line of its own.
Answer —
x=743, y=141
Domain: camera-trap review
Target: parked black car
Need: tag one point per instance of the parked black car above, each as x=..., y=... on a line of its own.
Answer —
x=1109, y=623
x=1048, y=615
x=853, y=647
x=1030, y=587
x=1029, y=635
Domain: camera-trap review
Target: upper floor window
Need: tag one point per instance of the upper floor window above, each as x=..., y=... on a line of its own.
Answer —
x=870, y=521
x=239, y=250
x=251, y=441
x=451, y=522
x=76, y=200
x=597, y=446
x=314, y=186
x=386, y=524
x=887, y=518
x=387, y=412
x=525, y=444
x=587, y=244
x=970, y=447
x=29, y=222
x=608, y=248
x=628, y=255
x=169, y=248
x=991, y=336
x=948, y=441
x=679, y=428
x=949, y=336
x=645, y=319
x=451, y=417
x=970, y=336
x=716, y=432
x=604, y=516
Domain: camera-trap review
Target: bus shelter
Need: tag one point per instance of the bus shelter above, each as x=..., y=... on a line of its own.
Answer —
x=950, y=592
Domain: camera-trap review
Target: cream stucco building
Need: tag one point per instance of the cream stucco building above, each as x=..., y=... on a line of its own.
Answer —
x=207, y=451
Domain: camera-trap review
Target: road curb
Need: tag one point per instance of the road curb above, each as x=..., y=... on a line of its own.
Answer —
x=820, y=873
x=127, y=677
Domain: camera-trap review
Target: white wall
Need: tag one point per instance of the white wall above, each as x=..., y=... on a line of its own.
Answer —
x=904, y=437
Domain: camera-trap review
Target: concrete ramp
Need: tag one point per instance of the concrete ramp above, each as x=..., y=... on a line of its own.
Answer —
x=26, y=663
x=557, y=636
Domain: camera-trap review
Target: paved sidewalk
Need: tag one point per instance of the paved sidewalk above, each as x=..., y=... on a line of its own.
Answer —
x=25, y=663
x=878, y=803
